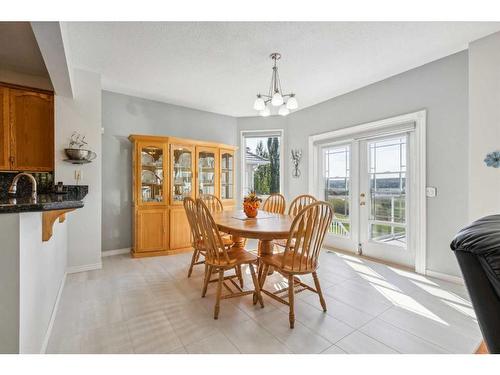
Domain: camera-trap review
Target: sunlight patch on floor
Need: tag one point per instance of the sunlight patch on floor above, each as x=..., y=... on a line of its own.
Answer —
x=380, y=282
x=408, y=303
x=349, y=257
x=443, y=294
x=463, y=309
x=362, y=269
x=411, y=275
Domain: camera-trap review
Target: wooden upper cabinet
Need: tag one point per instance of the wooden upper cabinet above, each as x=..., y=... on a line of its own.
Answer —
x=31, y=130
x=4, y=128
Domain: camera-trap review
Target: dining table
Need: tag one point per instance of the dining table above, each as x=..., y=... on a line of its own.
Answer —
x=266, y=227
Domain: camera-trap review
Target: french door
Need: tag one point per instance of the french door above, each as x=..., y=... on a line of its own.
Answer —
x=367, y=182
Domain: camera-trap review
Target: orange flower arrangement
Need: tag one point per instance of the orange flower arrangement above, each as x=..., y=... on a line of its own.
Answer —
x=251, y=204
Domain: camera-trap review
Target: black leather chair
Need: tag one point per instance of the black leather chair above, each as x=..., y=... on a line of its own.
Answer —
x=477, y=248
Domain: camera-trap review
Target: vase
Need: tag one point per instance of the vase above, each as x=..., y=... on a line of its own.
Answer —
x=250, y=211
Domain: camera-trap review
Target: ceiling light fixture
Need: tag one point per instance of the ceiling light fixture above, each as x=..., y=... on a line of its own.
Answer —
x=275, y=96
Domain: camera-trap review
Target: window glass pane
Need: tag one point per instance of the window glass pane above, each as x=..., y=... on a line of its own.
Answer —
x=182, y=175
x=151, y=174
x=226, y=189
x=206, y=172
x=337, y=191
x=262, y=165
x=389, y=233
x=388, y=190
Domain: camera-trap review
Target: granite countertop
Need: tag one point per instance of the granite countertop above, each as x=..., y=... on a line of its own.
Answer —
x=45, y=201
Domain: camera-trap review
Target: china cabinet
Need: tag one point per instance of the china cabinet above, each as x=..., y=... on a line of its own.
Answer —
x=165, y=171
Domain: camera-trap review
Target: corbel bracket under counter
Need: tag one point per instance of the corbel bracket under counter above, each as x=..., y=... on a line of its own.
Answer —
x=48, y=220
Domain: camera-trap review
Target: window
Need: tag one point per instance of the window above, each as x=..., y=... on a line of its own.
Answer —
x=387, y=173
x=336, y=161
x=262, y=162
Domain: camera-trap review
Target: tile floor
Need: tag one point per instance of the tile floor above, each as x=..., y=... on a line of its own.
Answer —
x=150, y=306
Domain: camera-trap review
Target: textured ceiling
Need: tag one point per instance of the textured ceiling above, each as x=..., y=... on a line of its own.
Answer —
x=219, y=67
x=19, y=50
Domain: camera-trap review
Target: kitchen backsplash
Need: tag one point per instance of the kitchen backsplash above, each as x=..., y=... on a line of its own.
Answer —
x=45, y=183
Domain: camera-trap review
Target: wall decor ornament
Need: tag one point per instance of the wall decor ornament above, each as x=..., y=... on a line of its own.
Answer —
x=76, y=152
x=493, y=159
x=296, y=156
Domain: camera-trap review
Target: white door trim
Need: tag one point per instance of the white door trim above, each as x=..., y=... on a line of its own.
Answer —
x=419, y=213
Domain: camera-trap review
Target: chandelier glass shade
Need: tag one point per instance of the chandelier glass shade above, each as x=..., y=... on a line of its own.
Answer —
x=275, y=96
x=265, y=112
x=283, y=111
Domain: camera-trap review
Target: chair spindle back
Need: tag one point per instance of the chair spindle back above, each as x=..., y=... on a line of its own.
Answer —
x=213, y=203
x=216, y=253
x=275, y=204
x=299, y=203
x=192, y=216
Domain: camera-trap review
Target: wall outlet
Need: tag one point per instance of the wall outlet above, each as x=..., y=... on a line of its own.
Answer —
x=430, y=191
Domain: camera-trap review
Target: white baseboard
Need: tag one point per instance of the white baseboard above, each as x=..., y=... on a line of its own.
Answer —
x=108, y=253
x=86, y=267
x=445, y=277
x=46, y=338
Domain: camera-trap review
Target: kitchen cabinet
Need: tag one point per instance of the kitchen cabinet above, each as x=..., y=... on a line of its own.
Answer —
x=26, y=130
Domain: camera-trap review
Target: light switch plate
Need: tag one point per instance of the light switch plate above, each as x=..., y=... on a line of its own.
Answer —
x=430, y=191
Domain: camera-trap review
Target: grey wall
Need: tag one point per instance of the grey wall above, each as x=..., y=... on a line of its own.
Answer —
x=441, y=88
x=484, y=125
x=123, y=115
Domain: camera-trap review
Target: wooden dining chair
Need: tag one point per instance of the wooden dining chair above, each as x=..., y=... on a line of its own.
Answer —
x=197, y=239
x=299, y=203
x=307, y=232
x=218, y=260
x=295, y=207
x=275, y=204
x=213, y=203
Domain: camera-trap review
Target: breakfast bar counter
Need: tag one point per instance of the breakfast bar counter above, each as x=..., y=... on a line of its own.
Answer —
x=72, y=199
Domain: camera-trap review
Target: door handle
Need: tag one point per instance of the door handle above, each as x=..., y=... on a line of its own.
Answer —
x=362, y=201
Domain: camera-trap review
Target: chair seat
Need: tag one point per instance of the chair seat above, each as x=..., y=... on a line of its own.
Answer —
x=276, y=261
x=236, y=256
x=227, y=240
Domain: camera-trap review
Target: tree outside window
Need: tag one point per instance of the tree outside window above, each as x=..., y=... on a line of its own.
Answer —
x=263, y=164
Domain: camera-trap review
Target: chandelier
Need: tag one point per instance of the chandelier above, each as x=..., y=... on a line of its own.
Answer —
x=275, y=96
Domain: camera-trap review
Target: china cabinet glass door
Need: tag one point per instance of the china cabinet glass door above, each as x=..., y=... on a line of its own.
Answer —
x=151, y=174
x=207, y=167
x=227, y=174
x=182, y=173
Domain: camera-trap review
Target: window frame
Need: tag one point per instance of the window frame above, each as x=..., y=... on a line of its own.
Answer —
x=264, y=134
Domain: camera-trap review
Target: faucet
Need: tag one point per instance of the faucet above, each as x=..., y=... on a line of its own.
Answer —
x=13, y=185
